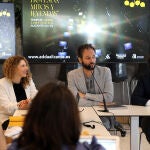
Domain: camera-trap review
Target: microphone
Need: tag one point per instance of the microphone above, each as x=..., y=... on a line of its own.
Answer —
x=104, y=102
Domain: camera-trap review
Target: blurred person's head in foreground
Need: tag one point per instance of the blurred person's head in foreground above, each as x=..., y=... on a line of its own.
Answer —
x=52, y=121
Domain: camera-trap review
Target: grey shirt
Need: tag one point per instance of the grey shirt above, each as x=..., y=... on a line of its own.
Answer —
x=90, y=84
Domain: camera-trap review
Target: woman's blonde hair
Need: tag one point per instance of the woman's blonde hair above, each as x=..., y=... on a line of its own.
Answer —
x=11, y=64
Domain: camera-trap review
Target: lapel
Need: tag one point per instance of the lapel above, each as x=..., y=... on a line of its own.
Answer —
x=81, y=80
x=27, y=90
x=10, y=91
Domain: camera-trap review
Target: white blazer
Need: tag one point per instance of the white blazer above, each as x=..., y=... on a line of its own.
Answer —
x=8, y=102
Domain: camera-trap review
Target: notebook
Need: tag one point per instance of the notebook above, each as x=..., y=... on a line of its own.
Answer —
x=108, y=142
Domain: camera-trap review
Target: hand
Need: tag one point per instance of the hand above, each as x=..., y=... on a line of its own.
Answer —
x=24, y=104
x=82, y=95
x=28, y=100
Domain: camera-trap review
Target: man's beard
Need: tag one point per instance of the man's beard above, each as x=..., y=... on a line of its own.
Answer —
x=89, y=66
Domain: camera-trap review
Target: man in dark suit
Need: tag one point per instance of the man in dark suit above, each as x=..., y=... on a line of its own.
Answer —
x=141, y=96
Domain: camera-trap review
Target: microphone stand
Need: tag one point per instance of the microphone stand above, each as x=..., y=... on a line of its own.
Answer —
x=104, y=102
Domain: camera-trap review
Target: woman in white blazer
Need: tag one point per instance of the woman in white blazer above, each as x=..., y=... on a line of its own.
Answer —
x=16, y=87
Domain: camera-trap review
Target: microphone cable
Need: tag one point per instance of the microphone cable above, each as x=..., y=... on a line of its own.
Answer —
x=105, y=107
x=101, y=116
x=86, y=124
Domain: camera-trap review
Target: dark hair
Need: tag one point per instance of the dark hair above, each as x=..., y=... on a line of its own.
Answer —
x=52, y=121
x=82, y=48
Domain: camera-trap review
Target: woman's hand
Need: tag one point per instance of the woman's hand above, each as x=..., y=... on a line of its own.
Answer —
x=24, y=104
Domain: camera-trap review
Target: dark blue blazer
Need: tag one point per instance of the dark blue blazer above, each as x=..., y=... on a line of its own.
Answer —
x=141, y=94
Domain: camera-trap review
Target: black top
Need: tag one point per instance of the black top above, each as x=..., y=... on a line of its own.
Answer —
x=19, y=92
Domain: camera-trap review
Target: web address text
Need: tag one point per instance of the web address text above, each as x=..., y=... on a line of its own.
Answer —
x=49, y=57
